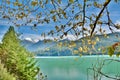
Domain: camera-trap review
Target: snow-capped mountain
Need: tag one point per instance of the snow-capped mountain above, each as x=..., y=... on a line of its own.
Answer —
x=50, y=48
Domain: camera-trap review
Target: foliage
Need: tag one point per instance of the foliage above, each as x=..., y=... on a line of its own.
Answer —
x=110, y=51
x=4, y=74
x=113, y=49
x=17, y=59
x=71, y=16
x=68, y=16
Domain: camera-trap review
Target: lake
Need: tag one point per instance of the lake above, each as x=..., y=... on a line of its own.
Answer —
x=79, y=68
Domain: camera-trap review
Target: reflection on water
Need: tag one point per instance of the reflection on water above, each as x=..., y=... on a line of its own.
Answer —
x=76, y=69
x=67, y=74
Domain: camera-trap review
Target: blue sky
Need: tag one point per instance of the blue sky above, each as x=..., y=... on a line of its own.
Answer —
x=27, y=31
x=3, y=30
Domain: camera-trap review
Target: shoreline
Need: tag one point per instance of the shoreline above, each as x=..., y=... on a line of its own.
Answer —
x=85, y=56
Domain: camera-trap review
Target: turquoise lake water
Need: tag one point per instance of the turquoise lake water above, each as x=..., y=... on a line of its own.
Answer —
x=77, y=68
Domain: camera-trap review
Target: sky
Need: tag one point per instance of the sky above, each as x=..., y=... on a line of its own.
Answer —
x=34, y=34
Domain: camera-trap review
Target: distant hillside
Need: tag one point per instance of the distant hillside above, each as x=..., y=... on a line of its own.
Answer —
x=51, y=49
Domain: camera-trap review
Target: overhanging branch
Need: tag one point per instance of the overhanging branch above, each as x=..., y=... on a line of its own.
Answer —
x=99, y=15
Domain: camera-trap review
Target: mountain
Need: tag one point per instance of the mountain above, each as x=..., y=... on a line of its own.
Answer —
x=40, y=45
x=26, y=43
x=50, y=48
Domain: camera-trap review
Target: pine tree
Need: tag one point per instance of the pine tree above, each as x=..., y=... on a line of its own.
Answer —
x=4, y=74
x=18, y=60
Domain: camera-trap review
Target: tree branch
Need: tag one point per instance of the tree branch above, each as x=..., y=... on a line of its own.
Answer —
x=99, y=15
x=83, y=17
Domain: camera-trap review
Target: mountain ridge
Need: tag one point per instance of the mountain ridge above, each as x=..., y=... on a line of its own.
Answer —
x=50, y=48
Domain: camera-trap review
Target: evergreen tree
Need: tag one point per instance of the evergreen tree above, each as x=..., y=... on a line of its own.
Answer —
x=18, y=60
x=4, y=74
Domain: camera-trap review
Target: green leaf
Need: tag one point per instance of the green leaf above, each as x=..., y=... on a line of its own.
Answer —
x=110, y=51
x=16, y=3
x=77, y=17
x=54, y=18
x=57, y=28
x=52, y=1
x=59, y=1
x=34, y=3
x=5, y=74
x=71, y=1
x=52, y=11
x=46, y=2
x=95, y=3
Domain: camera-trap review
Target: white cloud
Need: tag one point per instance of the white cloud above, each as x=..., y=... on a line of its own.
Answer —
x=117, y=22
x=35, y=37
x=28, y=39
x=70, y=37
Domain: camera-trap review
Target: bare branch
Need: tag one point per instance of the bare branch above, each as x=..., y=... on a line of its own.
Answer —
x=99, y=15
